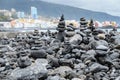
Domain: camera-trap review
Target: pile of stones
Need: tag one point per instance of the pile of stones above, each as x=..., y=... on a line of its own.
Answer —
x=89, y=54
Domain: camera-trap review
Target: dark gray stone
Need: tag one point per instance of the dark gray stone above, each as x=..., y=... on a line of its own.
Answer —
x=24, y=62
x=101, y=52
x=95, y=67
x=38, y=53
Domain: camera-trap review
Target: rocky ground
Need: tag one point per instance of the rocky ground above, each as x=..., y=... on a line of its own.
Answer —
x=83, y=55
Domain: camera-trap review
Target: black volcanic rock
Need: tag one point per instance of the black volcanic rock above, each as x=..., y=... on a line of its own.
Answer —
x=24, y=62
x=82, y=56
x=38, y=53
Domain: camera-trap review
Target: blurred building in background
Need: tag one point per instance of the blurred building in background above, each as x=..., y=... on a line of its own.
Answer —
x=20, y=14
x=34, y=13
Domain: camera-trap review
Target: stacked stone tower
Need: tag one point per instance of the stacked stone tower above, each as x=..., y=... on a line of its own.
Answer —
x=83, y=23
x=61, y=29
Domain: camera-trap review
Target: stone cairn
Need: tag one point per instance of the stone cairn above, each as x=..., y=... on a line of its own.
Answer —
x=70, y=30
x=61, y=29
x=91, y=25
x=83, y=24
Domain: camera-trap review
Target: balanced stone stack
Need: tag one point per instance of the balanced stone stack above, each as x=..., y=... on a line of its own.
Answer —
x=24, y=61
x=91, y=25
x=114, y=31
x=83, y=23
x=61, y=29
x=70, y=30
x=61, y=25
x=36, y=32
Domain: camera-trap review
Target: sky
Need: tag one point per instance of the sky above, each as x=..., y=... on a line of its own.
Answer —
x=108, y=6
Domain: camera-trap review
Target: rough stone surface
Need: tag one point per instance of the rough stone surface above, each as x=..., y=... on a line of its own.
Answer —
x=36, y=70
